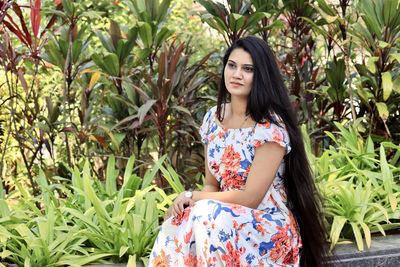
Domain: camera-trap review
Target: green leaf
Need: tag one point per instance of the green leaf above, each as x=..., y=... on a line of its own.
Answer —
x=132, y=261
x=163, y=10
x=111, y=62
x=161, y=36
x=255, y=18
x=146, y=35
x=97, y=204
x=367, y=233
x=358, y=236
x=396, y=85
x=396, y=56
x=99, y=62
x=382, y=44
x=382, y=110
x=68, y=6
x=181, y=109
x=326, y=8
x=76, y=50
x=106, y=42
x=371, y=64
x=387, y=85
x=393, y=202
x=336, y=229
x=78, y=260
x=122, y=251
x=111, y=176
x=129, y=168
x=149, y=175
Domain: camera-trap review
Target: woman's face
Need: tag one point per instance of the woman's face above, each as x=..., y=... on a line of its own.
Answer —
x=238, y=73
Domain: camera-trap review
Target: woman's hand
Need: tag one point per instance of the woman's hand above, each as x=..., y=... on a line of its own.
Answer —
x=180, y=203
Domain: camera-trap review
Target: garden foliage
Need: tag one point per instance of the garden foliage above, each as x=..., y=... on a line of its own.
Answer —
x=105, y=80
x=86, y=221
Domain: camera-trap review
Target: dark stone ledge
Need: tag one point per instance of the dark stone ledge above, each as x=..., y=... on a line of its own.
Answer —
x=384, y=251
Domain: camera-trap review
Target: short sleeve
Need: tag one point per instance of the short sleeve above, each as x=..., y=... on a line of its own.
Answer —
x=271, y=132
x=205, y=126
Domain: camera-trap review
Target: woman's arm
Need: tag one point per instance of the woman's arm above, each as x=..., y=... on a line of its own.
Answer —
x=267, y=160
x=210, y=185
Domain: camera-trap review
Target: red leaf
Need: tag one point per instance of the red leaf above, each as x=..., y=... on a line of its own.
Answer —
x=68, y=129
x=35, y=17
x=19, y=34
x=18, y=11
x=52, y=19
x=100, y=140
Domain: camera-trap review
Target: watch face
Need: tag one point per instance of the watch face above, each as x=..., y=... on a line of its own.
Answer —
x=188, y=194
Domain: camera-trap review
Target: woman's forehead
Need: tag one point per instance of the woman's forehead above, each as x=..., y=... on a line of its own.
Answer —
x=240, y=56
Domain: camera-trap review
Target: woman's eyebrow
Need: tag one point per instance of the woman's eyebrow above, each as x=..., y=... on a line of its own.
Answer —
x=246, y=64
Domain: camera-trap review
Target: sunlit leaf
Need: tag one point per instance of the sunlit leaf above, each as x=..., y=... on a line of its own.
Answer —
x=387, y=85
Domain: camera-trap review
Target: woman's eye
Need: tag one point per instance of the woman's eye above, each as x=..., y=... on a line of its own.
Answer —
x=231, y=65
x=248, y=69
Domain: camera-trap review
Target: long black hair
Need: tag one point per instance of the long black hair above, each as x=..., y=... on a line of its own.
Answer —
x=269, y=94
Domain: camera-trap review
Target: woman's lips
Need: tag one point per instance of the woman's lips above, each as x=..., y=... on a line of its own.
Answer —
x=235, y=84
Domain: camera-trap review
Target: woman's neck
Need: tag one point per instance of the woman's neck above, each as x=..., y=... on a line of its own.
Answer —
x=238, y=107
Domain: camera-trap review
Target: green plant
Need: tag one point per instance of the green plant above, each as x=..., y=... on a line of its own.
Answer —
x=170, y=96
x=236, y=18
x=118, y=222
x=41, y=237
x=21, y=63
x=377, y=33
x=93, y=222
x=359, y=187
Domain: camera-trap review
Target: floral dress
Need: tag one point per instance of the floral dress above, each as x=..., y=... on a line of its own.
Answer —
x=213, y=233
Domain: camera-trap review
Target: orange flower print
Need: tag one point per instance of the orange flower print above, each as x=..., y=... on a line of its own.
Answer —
x=291, y=258
x=266, y=124
x=257, y=144
x=190, y=260
x=183, y=216
x=231, y=159
x=179, y=248
x=232, y=259
x=231, y=180
x=212, y=137
x=261, y=229
x=278, y=137
x=237, y=209
x=187, y=237
x=257, y=215
x=214, y=166
x=283, y=242
x=160, y=260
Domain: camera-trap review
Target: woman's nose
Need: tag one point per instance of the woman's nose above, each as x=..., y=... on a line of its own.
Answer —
x=237, y=73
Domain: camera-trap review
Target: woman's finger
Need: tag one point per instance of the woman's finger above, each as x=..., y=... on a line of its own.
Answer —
x=191, y=202
x=181, y=205
x=176, y=209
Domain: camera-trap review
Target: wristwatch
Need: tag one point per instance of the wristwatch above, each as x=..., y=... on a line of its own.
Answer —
x=188, y=194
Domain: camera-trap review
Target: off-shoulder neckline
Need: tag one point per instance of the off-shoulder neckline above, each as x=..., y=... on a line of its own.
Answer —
x=228, y=129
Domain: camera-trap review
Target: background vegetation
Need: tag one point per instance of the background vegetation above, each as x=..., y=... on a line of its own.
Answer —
x=101, y=103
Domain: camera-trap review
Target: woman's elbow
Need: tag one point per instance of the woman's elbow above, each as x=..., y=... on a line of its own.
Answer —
x=252, y=201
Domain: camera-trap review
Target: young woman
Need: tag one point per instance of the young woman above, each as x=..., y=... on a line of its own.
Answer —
x=258, y=206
